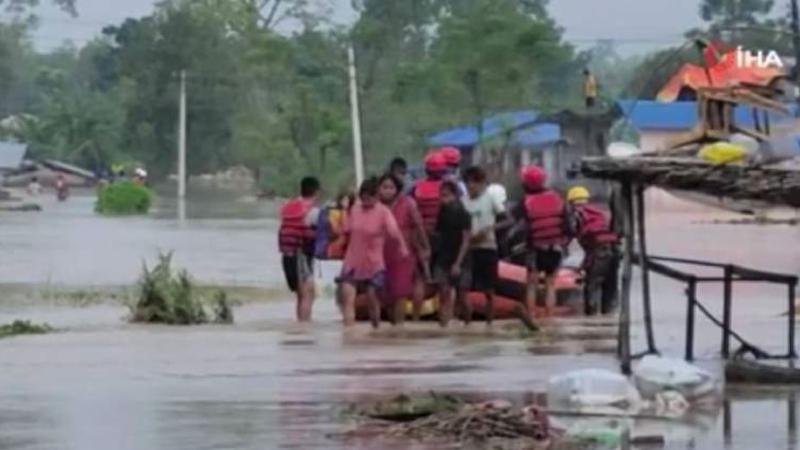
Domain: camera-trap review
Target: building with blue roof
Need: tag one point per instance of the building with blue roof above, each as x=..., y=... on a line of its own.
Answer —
x=499, y=125
x=657, y=123
x=555, y=141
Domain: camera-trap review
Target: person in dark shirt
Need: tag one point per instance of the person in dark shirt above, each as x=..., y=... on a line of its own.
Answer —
x=451, y=265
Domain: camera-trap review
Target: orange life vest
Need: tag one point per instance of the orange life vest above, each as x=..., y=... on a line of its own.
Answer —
x=546, y=222
x=295, y=234
x=594, y=229
x=426, y=193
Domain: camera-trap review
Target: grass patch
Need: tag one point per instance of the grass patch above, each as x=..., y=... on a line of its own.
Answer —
x=23, y=327
x=169, y=297
x=124, y=198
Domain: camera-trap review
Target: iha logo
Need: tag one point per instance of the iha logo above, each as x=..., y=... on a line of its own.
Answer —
x=759, y=59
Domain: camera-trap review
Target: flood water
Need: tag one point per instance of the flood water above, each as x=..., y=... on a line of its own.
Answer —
x=266, y=383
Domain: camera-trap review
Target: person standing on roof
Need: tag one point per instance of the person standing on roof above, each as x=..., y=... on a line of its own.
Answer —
x=549, y=222
x=296, y=235
x=601, y=255
x=589, y=89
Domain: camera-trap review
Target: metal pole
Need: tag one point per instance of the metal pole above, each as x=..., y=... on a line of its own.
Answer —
x=182, y=139
x=691, y=293
x=726, y=311
x=358, y=156
x=624, y=344
x=648, y=313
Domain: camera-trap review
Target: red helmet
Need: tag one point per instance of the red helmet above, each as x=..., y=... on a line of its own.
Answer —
x=452, y=155
x=533, y=177
x=435, y=162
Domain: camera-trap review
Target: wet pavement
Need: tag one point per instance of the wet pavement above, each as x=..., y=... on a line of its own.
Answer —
x=266, y=383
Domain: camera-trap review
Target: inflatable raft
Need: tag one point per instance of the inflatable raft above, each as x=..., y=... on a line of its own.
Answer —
x=509, y=295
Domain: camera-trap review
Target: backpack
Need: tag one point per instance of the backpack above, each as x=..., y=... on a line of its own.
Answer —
x=331, y=242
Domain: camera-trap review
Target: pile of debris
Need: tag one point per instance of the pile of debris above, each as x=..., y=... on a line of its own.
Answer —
x=480, y=423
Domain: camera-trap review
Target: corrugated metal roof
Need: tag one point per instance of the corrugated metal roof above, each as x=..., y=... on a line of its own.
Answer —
x=11, y=154
x=654, y=115
x=467, y=136
x=540, y=135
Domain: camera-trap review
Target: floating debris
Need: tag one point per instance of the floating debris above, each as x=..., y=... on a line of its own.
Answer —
x=481, y=423
x=405, y=408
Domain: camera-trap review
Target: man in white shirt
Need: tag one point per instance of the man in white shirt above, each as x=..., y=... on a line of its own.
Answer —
x=484, y=208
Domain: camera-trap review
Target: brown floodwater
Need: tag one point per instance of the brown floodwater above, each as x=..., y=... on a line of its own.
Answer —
x=267, y=383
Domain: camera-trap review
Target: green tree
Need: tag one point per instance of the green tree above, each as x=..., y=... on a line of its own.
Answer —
x=750, y=23
x=23, y=6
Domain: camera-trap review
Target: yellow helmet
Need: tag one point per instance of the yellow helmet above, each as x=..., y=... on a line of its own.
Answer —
x=578, y=193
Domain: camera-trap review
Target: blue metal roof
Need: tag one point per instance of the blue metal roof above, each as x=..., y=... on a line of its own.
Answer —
x=467, y=136
x=539, y=135
x=649, y=114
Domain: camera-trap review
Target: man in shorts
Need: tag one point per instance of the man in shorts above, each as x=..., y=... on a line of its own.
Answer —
x=548, y=220
x=451, y=267
x=296, y=243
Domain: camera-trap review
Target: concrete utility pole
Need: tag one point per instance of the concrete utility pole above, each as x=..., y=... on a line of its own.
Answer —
x=358, y=155
x=182, y=139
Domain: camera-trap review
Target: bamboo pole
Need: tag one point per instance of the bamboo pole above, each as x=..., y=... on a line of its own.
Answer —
x=643, y=265
x=624, y=339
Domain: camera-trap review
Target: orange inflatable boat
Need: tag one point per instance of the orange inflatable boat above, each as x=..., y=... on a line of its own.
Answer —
x=510, y=292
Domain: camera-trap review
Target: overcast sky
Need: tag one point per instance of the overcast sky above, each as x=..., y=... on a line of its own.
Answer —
x=638, y=25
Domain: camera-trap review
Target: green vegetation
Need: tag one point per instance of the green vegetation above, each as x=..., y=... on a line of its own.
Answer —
x=20, y=327
x=223, y=313
x=124, y=198
x=169, y=297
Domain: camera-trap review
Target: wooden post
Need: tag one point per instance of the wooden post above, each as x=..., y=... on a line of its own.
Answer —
x=624, y=338
x=727, y=423
x=691, y=295
x=791, y=416
x=643, y=262
x=792, y=318
x=727, y=298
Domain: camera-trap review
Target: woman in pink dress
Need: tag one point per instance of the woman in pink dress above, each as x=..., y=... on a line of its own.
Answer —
x=369, y=225
x=403, y=277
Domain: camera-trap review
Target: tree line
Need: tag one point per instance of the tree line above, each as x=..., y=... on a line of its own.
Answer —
x=267, y=79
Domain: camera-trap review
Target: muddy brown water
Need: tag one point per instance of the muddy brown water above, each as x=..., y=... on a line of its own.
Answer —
x=266, y=383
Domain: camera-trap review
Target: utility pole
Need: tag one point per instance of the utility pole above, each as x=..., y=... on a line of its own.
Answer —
x=182, y=139
x=358, y=155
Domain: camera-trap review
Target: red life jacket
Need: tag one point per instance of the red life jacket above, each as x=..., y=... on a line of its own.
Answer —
x=546, y=222
x=295, y=234
x=426, y=193
x=594, y=229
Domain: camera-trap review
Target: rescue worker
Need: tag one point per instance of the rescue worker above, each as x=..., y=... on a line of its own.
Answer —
x=548, y=220
x=296, y=243
x=426, y=191
x=452, y=156
x=601, y=255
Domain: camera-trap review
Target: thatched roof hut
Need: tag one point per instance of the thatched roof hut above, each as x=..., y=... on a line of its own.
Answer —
x=770, y=184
